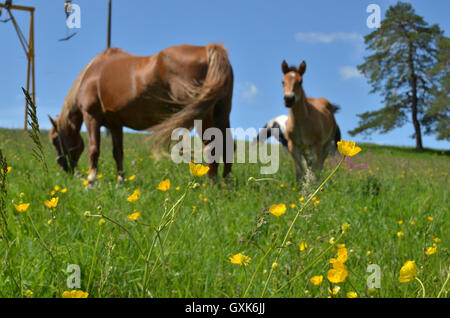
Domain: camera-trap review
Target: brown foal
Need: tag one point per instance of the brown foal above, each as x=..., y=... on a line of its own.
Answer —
x=311, y=124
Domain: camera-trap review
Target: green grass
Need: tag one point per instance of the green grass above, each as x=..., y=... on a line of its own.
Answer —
x=190, y=257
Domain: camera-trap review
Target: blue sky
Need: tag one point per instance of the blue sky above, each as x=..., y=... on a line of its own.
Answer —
x=258, y=35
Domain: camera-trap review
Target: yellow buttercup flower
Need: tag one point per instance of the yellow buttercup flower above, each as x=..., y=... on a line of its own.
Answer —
x=240, y=259
x=303, y=246
x=335, y=290
x=198, y=170
x=135, y=196
x=293, y=205
x=342, y=256
x=134, y=216
x=400, y=234
x=348, y=148
x=85, y=183
x=22, y=207
x=177, y=188
x=164, y=185
x=131, y=178
x=56, y=188
x=8, y=169
x=408, y=272
x=301, y=199
x=29, y=293
x=274, y=265
x=100, y=175
x=338, y=274
x=316, y=203
x=431, y=250
x=277, y=209
x=352, y=294
x=52, y=203
x=316, y=280
x=430, y=218
x=75, y=294
x=345, y=227
x=64, y=190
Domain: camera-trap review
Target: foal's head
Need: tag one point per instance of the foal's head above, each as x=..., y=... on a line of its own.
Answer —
x=68, y=143
x=292, y=83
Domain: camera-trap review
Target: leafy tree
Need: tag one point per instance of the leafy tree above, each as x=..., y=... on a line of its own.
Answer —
x=404, y=51
x=438, y=113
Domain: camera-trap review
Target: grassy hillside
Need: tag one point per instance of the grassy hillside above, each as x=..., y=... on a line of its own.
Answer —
x=395, y=200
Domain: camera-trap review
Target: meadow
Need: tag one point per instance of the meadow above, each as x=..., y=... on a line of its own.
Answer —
x=384, y=206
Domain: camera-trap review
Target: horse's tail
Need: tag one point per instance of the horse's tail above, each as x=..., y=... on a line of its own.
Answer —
x=261, y=137
x=337, y=135
x=264, y=135
x=217, y=84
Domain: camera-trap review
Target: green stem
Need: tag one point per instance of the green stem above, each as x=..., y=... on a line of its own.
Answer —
x=256, y=271
x=311, y=264
x=295, y=219
x=94, y=258
x=127, y=231
x=40, y=238
x=443, y=286
x=423, y=287
x=162, y=223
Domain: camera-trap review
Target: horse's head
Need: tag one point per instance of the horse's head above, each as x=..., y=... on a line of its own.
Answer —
x=68, y=143
x=292, y=82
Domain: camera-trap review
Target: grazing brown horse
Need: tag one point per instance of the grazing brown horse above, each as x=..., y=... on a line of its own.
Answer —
x=158, y=93
x=311, y=124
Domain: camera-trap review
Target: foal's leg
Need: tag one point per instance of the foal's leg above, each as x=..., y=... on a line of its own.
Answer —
x=117, y=141
x=93, y=128
x=297, y=155
x=320, y=152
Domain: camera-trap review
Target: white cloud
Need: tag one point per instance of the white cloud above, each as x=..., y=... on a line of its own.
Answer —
x=349, y=72
x=319, y=37
x=248, y=90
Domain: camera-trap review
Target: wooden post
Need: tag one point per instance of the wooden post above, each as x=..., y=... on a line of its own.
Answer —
x=29, y=51
x=108, y=39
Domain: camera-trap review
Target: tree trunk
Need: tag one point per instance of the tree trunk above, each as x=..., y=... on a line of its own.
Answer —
x=416, y=124
x=413, y=81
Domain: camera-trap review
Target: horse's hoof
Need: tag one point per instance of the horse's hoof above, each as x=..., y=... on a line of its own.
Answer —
x=120, y=179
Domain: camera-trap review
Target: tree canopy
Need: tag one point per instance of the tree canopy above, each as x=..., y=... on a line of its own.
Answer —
x=406, y=68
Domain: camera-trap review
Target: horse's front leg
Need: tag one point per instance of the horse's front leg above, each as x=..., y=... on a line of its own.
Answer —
x=297, y=155
x=93, y=128
x=117, y=141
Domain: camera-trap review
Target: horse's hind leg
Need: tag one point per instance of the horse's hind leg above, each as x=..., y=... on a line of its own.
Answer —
x=117, y=141
x=222, y=121
x=209, y=151
x=228, y=150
